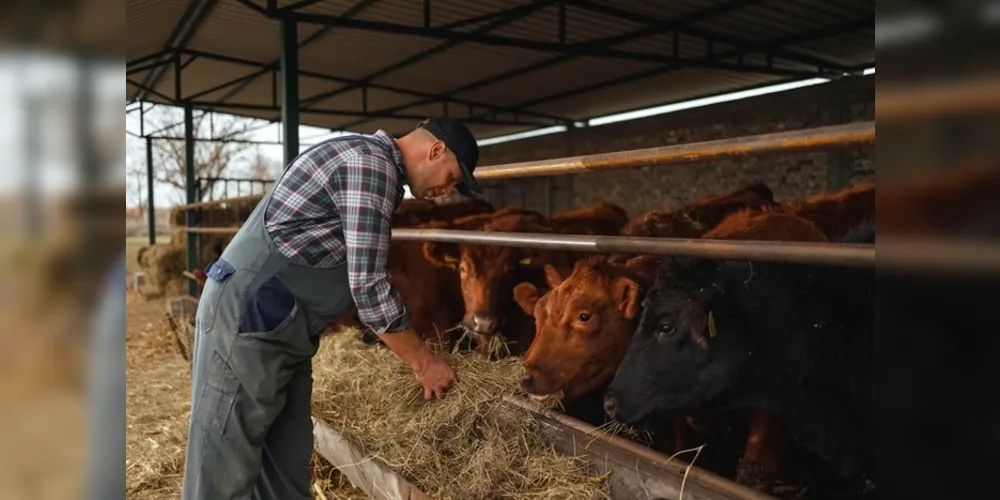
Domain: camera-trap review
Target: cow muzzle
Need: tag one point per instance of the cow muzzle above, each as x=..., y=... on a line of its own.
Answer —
x=482, y=324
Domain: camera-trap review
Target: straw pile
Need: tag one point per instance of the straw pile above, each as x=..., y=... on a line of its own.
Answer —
x=163, y=265
x=462, y=446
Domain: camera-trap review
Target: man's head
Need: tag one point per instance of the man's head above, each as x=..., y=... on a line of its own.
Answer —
x=440, y=154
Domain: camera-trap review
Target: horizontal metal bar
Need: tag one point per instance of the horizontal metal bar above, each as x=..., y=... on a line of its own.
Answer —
x=458, y=36
x=204, y=204
x=148, y=90
x=140, y=69
x=968, y=95
x=835, y=254
x=371, y=114
x=740, y=147
x=899, y=253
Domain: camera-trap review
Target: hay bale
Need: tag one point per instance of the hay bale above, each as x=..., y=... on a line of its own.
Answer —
x=462, y=446
x=163, y=264
x=220, y=213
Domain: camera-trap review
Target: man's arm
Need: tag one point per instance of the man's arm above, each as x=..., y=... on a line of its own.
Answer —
x=364, y=189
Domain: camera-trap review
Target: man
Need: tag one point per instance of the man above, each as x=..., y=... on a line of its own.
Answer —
x=316, y=245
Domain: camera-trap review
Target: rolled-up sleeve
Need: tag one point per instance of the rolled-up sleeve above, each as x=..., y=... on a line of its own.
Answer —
x=365, y=187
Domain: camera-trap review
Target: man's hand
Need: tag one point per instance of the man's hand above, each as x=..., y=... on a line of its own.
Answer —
x=435, y=375
x=430, y=370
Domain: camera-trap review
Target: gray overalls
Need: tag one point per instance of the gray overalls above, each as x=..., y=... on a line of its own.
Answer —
x=257, y=329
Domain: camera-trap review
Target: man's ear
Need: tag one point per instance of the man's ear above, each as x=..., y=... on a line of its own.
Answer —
x=526, y=296
x=626, y=295
x=552, y=276
x=442, y=254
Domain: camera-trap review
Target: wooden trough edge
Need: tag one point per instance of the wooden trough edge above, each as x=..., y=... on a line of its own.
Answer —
x=636, y=471
x=372, y=475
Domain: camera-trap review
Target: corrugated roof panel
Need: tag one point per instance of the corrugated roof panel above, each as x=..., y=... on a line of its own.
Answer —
x=671, y=87
x=458, y=66
x=203, y=74
x=551, y=80
x=353, y=100
x=581, y=26
x=661, y=11
x=149, y=25
x=357, y=54
x=235, y=30
x=328, y=7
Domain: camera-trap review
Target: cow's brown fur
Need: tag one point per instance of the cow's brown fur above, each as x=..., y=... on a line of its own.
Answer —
x=834, y=213
x=413, y=212
x=576, y=356
x=599, y=219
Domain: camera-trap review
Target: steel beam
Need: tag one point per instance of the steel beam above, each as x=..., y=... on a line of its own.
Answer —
x=606, y=41
x=148, y=90
x=353, y=11
x=633, y=77
x=150, y=206
x=189, y=183
x=351, y=83
x=344, y=112
x=695, y=32
x=504, y=41
x=498, y=21
x=186, y=27
x=289, y=51
x=833, y=136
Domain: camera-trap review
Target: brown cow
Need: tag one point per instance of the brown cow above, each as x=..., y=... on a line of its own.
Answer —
x=834, y=213
x=584, y=324
x=413, y=212
x=488, y=273
x=693, y=219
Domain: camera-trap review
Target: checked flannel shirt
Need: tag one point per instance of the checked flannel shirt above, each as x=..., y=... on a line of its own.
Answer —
x=335, y=202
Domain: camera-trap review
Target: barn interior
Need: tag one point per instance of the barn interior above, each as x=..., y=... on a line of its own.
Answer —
x=576, y=77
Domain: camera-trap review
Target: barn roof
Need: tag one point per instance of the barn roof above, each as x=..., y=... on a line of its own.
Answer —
x=504, y=65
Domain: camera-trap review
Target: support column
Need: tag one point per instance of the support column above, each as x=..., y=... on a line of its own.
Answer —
x=150, y=206
x=189, y=215
x=32, y=165
x=289, y=88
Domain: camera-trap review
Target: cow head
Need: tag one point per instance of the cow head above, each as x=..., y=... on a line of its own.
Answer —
x=488, y=273
x=582, y=327
x=686, y=351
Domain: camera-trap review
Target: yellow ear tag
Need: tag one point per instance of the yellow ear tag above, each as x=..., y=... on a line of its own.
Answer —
x=525, y=261
x=450, y=258
x=711, y=324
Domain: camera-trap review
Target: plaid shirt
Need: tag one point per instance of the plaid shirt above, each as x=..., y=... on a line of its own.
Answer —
x=335, y=202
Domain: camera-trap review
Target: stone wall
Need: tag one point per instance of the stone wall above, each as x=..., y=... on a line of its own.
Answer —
x=649, y=188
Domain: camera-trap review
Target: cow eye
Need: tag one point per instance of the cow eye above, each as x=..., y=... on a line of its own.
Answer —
x=584, y=317
x=665, y=329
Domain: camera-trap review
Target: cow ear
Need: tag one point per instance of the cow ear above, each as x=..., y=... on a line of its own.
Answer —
x=626, y=295
x=442, y=254
x=701, y=333
x=552, y=276
x=526, y=296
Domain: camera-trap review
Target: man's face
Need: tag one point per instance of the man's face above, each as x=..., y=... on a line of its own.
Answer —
x=438, y=173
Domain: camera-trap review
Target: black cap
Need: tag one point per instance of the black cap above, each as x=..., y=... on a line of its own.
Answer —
x=461, y=142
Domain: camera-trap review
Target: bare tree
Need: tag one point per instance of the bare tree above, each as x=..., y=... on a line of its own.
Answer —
x=212, y=159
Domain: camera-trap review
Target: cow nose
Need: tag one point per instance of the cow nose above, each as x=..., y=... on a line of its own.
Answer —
x=527, y=384
x=483, y=324
x=610, y=406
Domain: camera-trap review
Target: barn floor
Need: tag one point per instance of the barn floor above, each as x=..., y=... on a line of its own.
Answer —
x=158, y=409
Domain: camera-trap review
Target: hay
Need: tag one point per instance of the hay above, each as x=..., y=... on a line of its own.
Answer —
x=163, y=265
x=462, y=446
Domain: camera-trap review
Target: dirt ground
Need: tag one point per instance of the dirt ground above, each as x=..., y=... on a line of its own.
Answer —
x=158, y=409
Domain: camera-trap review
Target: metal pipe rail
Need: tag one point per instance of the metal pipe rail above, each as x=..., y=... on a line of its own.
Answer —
x=835, y=254
x=796, y=141
x=897, y=252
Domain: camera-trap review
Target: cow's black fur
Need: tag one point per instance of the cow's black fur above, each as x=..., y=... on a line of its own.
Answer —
x=795, y=340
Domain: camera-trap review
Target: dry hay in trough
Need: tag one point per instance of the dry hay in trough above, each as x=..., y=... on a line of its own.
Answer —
x=465, y=445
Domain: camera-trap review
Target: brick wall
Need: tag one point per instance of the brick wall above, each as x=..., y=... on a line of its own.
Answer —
x=649, y=188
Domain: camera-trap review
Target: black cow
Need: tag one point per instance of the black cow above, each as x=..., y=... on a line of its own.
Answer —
x=791, y=339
